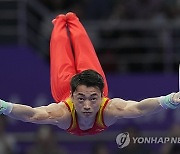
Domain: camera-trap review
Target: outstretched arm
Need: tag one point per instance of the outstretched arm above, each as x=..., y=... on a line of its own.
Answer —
x=119, y=108
x=51, y=114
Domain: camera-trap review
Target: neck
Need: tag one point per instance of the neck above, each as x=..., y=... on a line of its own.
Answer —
x=85, y=123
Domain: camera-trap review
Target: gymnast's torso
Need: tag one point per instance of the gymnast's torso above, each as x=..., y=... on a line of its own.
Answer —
x=74, y=126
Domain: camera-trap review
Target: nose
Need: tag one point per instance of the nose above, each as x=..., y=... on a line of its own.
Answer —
x=87, y=105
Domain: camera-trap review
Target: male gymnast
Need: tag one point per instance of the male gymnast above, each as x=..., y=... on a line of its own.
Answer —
x=79, y=87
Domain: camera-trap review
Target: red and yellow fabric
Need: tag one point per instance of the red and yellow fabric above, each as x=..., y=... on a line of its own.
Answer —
x=98, y=126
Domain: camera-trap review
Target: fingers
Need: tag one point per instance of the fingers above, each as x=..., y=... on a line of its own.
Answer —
x=176, y=98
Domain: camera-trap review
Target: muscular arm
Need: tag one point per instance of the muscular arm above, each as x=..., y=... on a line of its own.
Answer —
x=56, y=114
x=133, y=109
x=43, y=114
x=119, y=108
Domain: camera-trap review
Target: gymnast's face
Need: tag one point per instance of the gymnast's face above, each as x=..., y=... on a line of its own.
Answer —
x=87, y=100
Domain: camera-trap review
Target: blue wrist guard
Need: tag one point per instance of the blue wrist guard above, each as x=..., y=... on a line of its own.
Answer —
x=5, y=107
x=167, y=101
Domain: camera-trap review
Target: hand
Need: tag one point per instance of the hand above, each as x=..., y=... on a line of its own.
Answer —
x=5, y=107
x=176, y=99
x=1, y=106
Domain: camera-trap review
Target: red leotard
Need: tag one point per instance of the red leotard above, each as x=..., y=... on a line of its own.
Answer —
x=98, y=126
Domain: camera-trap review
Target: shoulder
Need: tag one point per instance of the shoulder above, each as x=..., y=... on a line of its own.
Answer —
x=61, y=112
x=114, y=106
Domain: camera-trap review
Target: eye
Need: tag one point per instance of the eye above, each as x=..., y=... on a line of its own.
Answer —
x=94, y=99
x=80, y=99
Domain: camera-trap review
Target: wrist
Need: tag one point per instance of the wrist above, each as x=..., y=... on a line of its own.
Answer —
x=167, y=101
x=5, y=107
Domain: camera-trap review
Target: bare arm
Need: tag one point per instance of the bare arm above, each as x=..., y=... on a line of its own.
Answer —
x=44, y=114
x=119, y=108
x=133, y=109
x=56, y=114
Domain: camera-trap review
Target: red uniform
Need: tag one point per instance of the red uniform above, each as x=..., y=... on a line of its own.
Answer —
x=98, y=126
x=71, y=52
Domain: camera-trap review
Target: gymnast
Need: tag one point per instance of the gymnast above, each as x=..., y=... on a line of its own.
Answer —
x=79, y=87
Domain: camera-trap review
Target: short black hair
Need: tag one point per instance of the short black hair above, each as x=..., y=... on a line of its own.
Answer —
x=89, y=78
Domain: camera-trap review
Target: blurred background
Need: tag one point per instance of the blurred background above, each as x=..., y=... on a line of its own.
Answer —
x=138, y=45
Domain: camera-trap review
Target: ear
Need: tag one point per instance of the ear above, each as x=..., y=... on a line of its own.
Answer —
x=102, y=94
x=71, y=95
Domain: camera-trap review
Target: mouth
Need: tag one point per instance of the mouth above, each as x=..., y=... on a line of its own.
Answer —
x=87, y=113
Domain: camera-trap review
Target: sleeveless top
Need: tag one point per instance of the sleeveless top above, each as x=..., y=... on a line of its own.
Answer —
x=98, y=125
